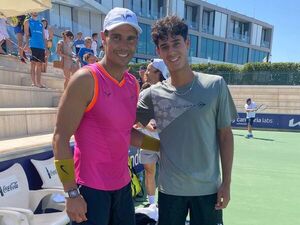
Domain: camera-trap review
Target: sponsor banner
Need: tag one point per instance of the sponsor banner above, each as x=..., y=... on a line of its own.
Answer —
x=133, y=154
x=9, y=186
x=271, y=121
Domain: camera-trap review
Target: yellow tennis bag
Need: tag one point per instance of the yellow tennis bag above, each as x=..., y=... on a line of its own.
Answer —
x=136, y=187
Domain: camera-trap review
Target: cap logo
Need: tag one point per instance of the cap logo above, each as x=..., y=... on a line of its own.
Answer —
x=126, y=16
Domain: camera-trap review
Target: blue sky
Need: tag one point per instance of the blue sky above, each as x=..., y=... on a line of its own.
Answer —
x=283, y=15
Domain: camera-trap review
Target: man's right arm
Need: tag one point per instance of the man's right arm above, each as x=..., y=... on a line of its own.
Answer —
x=71, y=109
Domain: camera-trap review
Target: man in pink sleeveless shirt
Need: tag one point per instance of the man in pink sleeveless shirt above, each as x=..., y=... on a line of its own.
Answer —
x=99, y=108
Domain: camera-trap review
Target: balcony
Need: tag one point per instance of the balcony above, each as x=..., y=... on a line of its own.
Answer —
x=208, y=29
x=240, y=37
x=265, y=44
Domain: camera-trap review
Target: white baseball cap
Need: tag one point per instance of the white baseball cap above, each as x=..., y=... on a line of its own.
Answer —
x=161, y=66
x=119, y=16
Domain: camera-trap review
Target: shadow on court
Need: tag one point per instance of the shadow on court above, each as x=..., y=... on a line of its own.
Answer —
x=256, y=138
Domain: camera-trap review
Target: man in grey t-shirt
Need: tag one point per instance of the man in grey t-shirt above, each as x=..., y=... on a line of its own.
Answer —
x=193, y=112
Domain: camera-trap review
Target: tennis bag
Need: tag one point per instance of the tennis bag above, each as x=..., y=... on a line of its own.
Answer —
x=136, y=187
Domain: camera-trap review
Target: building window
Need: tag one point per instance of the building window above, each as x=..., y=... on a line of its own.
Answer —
x=207, y=22
x=237, y=54
x=211, y=49
x=190, y=16
x=193, y=46
x=266, y=37
x=239, y=31
x=151, y=9
x=259, y=56
x=146, y=45
x=61, y=17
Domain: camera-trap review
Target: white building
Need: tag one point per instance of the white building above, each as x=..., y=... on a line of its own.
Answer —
x=217, y=34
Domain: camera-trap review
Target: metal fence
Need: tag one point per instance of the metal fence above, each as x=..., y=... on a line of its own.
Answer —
x=262, y=78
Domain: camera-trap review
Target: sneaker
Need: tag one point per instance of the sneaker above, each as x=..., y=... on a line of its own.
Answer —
x=249, y=136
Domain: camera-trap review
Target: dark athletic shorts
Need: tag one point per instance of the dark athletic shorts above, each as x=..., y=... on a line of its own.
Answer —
x=19, y=29
x=37, y=55
x=174, y=209
x=108, y=207
x=250, y=121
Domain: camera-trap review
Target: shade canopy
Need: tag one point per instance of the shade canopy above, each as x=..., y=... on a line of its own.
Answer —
x=9, y=8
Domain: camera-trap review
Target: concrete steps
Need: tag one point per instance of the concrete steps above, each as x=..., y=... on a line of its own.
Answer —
x=270, y=102
x=12, y=62
x=13, y=96
x=20, y=122
x=279, y=99
x=11, y=77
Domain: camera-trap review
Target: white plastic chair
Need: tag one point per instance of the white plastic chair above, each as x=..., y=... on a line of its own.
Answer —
x=47, y=171
x=17, y=202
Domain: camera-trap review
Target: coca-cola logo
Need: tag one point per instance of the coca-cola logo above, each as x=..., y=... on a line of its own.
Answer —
x=5, y=188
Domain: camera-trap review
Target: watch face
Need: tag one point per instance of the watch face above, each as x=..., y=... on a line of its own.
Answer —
x=73, y=193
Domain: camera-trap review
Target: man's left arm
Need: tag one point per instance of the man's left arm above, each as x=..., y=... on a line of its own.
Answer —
x=225, y=138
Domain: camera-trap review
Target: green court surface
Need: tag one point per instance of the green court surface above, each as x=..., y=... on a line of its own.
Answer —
x=265, y=187
x=266, y=179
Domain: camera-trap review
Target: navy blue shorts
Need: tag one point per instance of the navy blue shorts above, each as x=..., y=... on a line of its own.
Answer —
x=173, y=210
x=108, y=207
x=19, y=29
x=37, y=55
x=249, y=121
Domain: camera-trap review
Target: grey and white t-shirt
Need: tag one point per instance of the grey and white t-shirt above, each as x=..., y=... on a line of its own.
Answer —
x=187, y=121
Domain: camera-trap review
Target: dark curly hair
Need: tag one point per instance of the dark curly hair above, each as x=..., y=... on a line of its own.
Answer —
x=172, y=25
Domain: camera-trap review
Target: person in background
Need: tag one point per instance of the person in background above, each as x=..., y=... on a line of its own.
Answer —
x=35, y=39
x=250, y=108
x=101, y=52
x=85, y=49
x=193, y=113
x=69, y=61
x=48, y=36
x=4, y=37
x=95, y=43
x=19, y=31
x=96, y=178
x=79, y=42
x=141, y=77
x=156, y=72
x=89, y=58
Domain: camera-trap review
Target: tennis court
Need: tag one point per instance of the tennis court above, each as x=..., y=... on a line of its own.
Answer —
x=266, y=179
x=265, y=186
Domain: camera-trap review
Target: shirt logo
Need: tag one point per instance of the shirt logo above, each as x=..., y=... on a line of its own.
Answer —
x=107, y=93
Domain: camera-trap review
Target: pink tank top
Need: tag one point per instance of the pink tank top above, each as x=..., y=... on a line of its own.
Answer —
x=103, y=136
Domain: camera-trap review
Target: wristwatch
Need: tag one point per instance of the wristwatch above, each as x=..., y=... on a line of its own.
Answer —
x=73, y=193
